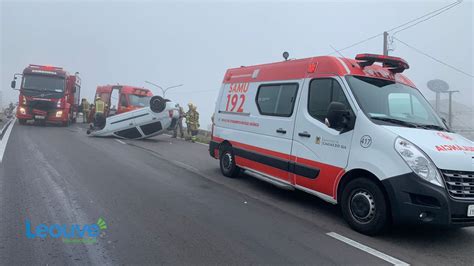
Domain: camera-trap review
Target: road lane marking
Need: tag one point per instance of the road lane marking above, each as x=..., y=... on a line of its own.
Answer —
x=205, y=144
x=4, y=140
x=367, y=249
x=121, y=142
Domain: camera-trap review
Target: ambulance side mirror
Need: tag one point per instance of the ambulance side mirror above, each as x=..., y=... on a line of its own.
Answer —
x=13, y=84
x=339, y=117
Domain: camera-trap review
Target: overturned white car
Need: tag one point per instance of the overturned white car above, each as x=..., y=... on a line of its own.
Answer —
x=155, y=119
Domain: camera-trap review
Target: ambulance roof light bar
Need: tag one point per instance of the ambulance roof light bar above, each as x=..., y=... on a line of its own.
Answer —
x=394, y=64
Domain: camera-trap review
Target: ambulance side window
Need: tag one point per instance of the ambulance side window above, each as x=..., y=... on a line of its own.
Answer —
x=321, y=93
x=277, y=99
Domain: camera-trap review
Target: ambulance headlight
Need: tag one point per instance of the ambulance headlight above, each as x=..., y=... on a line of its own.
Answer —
x=59, y=113
x=22, y=110
x=418, y=161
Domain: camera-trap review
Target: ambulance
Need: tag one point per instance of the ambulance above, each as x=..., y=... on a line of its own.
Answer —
x=356, y=133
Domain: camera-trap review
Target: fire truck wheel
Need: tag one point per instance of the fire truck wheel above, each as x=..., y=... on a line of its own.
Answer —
x=157, y=104
x=67, y=122
x=22, y=121
x=364, y=206
x=227, y=162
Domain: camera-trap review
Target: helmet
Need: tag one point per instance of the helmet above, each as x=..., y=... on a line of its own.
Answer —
x=98, y=98
x=190, y=105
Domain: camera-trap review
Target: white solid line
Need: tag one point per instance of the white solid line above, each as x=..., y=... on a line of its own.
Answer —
x=121, y=142
x=4, y=141
x=367, y=249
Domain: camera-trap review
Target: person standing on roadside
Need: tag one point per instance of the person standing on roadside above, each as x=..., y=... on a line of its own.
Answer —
x=99, y=116
x=85, y=110
x=180, y=124
x=192, y=121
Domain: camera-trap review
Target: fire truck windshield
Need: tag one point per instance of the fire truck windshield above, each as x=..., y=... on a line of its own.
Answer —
x=44, y=83
x=387, y=102
x=139, y=100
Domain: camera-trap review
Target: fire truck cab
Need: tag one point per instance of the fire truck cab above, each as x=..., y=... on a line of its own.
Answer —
x=124, y=98
x=47, y=94
x=356, y=133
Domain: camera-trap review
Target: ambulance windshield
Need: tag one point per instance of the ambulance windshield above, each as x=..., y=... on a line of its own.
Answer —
x=389, y=103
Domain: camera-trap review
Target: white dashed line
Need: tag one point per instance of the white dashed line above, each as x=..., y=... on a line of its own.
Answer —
x=121, y=142
x=367, y=249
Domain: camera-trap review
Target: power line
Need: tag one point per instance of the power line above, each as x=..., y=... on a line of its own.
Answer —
x=357, y=43
x=446, y=8
x=435, y=12
x=433, y=58
x=440, y=10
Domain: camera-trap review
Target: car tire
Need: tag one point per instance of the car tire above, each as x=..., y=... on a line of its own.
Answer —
x=22, y=121
x=227, y=162
x=157, y=104
x=364, y=206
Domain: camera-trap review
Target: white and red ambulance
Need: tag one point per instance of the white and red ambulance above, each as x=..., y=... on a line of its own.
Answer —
x=352, y=132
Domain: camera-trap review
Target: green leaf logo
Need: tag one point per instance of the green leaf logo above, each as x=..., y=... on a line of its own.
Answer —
x=101, y=223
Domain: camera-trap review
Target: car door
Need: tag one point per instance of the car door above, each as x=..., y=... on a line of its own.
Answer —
x=276, y=103
x=320, y=153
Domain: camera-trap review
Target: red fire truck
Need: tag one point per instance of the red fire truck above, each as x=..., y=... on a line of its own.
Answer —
x=124, y=98
x=48, y=94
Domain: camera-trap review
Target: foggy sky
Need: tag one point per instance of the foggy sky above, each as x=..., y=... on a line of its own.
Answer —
x=194, y=43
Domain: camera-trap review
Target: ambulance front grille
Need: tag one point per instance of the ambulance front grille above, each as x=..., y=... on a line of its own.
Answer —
x=460, y=184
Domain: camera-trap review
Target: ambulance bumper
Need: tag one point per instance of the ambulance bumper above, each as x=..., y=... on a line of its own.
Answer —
x=415, y=201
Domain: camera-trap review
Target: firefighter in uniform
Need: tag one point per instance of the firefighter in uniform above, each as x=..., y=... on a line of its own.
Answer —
x=192, y=121
x=85, y=110
x=180, y=124
x=99, y=116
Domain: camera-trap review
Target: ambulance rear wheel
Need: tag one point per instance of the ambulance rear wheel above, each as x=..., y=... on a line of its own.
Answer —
x=227, y=162
x=364, y=206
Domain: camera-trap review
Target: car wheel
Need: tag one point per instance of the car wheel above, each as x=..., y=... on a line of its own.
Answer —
x=364, y=207
x=157, y=104
x=227, y=162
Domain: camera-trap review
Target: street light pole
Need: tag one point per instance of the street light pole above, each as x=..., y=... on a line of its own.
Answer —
x=165, y=89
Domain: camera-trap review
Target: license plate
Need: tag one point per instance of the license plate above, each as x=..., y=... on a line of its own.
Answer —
x=470, y=211
x=40, y=117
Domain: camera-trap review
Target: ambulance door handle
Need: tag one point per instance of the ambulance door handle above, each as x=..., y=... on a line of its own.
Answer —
x=304, y=134
x=281, y=130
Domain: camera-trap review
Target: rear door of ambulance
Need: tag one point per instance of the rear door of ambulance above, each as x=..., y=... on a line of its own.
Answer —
x=320, y=153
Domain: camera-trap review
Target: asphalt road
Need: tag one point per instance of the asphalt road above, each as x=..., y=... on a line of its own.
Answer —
x=165, y=202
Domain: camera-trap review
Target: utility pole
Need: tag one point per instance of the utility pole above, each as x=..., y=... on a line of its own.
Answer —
x=450, y=112
x=385, y=43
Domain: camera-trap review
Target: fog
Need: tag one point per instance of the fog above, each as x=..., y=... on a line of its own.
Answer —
x=194, y=43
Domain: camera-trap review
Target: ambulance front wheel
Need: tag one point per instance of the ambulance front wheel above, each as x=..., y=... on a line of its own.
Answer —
x=227, y=162
x=22, y=121
x=364, y=206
